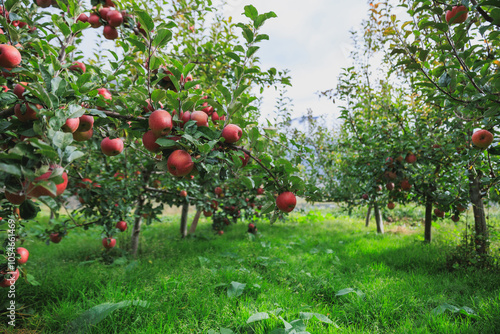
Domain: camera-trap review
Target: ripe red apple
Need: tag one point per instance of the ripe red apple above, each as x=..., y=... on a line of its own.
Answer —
x=207, y=213
x=103, y=12
x=43, y=3
x=411, y=158
x=13, y=276
x=458, y=14
x=378, y=188
x=83, y=135
x=19, y=89
x=191, y=28
x=110, y=33
x=183, y=193
x=180, y=163
x=208, y=109
x=286, y=201
x=391, y=205
x=82, y=17
x=149, y=141
x=94, y=20
x=29, y=114
x=86, y=123
x=71, y=125
x=231, y=133
x=78, y=66
x=218, y=191
x=108, y=243
x=455, y=218
x=260, y=191
x=106, y=94
x=84, y=183
x=439, y=213
x=365, y=196
x=36, y=191
x=114, y=18
x=160, y=122
x=389, y=186
x=9, y=56
x=200, y=118
x=220, y=232
x=15, y=198
x=482, y=138
x=119, y=176
x=405, y=184
x=121, y=225
x=460, y=208
x=55, y=238
x=245, y=159
x=24, y=255
x=111, y=147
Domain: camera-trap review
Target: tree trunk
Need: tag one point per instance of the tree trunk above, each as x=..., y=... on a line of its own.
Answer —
x=428, y=219
x=368, y=215
x=481, y=229
x=378, y=219
x=136, y=231
x=194, y=224
x=184, y=217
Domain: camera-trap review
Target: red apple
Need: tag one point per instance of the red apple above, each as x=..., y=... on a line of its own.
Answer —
x=286, y=201
x=482, y=138
x=218, y=191
x=245, y=159
x=83, y=135
x=208, y=109
x=439, y=213
x=110, y=33
x=411, y=158
x=111, y=147
x=260, y=191
x=405, y=184
x=149, y=141
x=82, y=17
x=114, y=18
x=13, y=276
x=180, y=163
x=94, y=20
x=200, y=118
x=106, y=94
x=55, y=238
x=458, y=14
x=160, y=122
x=183, y=193
x=207, y=213
x=220, y=232
x=78, y=66
x=232, y=133
x=36, y=191
x=455, y=218
x=19, y=89
x=389, y=186
x=28, y=114
x=185, y=117
x=108, y=243
x=71, y=125
x=365, y=196
x=86, y=123
x=391, y=205
x=24, y=255
x=43, y=3
x=121, y=225
x=103, y=12
x=460, y=208
x=119, y=176
x=84, y=183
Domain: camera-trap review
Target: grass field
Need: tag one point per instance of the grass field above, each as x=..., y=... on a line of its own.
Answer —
x=319, y=273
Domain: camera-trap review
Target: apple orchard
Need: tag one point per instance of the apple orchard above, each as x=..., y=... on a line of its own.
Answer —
x=172, y=119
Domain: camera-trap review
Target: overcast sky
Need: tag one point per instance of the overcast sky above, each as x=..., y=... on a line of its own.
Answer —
x=312, y=40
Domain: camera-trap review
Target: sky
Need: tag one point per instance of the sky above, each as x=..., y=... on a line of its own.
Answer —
x=312, y=40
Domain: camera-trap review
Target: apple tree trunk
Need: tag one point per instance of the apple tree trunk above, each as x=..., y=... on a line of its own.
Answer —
x=428, y=219
x=136, y=231
x=378, y=218
x=184, y=217
x=194, y=224
x=481, y=229
x=368, y=215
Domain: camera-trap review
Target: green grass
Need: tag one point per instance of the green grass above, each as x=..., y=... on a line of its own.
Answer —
x=297, y=266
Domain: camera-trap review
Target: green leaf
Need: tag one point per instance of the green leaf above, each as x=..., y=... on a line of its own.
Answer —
x=235, y=289
x=248, y=182
x=251, y=12
x=319, y=316
x=349, y=290
x=247, y=32
x=233, y=56
x=31, y=280
x=269, y=207
x=162, y=38
x=62, y=139
x=258, y=317
x=251, y=50
x=158, y=95
x=98, y=313
x=145, y=20
x=10, y=169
